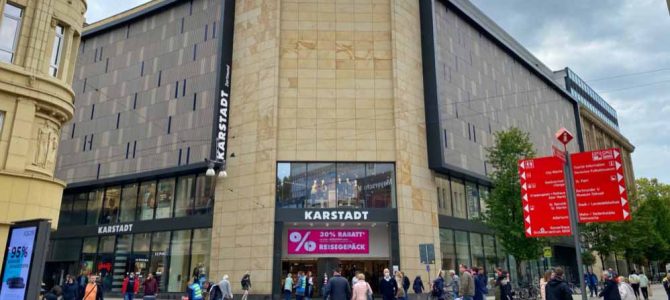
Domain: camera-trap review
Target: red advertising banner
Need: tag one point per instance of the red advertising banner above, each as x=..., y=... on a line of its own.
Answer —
x=545, y=206
x=322, y=241
x=600, y=186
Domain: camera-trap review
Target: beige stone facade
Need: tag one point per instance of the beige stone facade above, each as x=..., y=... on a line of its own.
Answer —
x=34, y=105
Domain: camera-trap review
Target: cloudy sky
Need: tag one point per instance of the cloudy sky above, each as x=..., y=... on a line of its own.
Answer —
x=621, y=47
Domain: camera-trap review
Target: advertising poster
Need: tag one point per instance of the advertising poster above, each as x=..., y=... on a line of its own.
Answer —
x=322, y=241
x=17, y=263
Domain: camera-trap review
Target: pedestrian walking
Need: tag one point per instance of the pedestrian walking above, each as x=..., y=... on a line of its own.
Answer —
x=288, y=286
x=150, y=287
x=130, y=287
x=557, y=288
x=437, y=288
x=400, y=290
x=466, y=287
x=454, y=284
x=246, y=285
x=309, y=293
x=194, y=290
x=70, y=288
x=481, y=290
x=338, y=287
x=543, y=284
x=666, y=285
x=644, y=286
x=226, y=289
x=418, y=285
x=361, y=290
x=388, y=286
x=504, y=290
x=82, y=281
x=405, y=283
x=626, y=291
x=301, y=286
x=592, y=282
x=634, y=280
x=611, y=290
x=93, y=289
x=54, y=294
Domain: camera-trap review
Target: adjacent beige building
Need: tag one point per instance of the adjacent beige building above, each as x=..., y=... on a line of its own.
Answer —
x=38, y=49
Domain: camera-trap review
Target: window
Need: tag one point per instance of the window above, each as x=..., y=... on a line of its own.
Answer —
x=56, y=50
x=79, y=209
x=200, y=248
x=160, y=249
x=2, y=120
x=447, y=248
x=65, y=216
x=93, y=207
x=204, y=196
x=458, y=198
x=180, y=248
x=110, y=211
x=129, y=203
x=483, y=197
x=122, y=253
x=88, y=254
x=104, y=263
x=147, y=201
x=444, y=196
x=472, y=196
x=66, y=250
x=490, y=254
x=331, y=185
x=185, y=196
x=477, y=250
x=462, y=248
x=165, y=198
x=10, y=25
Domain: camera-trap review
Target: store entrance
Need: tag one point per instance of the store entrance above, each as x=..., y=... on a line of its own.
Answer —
x=323, y=267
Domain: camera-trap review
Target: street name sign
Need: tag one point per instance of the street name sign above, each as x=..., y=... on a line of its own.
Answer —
x=600, y=186
x=545, y=206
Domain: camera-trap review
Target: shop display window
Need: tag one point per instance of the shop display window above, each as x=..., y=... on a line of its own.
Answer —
x=147, y=201
x=200, y=248
x=104, y=261
x=121, y=260
x=204, y=197
x=458, y=198
x=462, y=248
x=128, y=203
x=180, y=249
x=483, y=197
x=444, y=196
x=472, y=197
x=165, y=198
x=66, y=250
x=490, y=254
x=447, y=247
x=110, y=209
x=185, y=200
x=94, y=206
x=160, y=249
x=477, y=250
x=332, y=185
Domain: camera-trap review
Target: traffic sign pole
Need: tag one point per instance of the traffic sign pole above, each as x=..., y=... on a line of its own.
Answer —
x=574, y=219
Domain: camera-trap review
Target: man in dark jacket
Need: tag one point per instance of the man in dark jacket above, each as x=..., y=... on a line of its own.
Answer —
x=338, y=287
x=557, y=288
x=388, y=286
x=437, y=289
x=611, y=290
x=405, y=283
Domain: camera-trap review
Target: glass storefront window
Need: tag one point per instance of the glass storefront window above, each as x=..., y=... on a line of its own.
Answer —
x=458, y=198
x=204, y=197
x=139, y=263
x=477, y=250
x=129, y=203
x=377, y=185
x=110, y=209
x=121, y=257
x=502, y=257
x=348, y=195
x=321, y=177
x=185, y=199
x=490, y=254
x=88, y=255
x=483, y=196
x=66, y=250
x=104, y=262
x=180, y=249
x=165, y=198
x=462, y=248
x=147, y=201
x=79, y=209
x=472, y=197
x=93, y=207
x=200, y=249
x=160, y=249
x=331, y=185
x=447, y=248
x=65, y=216
x=443, y=196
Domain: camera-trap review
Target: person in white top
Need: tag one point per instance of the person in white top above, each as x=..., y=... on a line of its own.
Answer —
x=634, y=280
x=644, y=286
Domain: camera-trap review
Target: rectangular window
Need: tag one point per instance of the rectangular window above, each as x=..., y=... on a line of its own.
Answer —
x=10, y=26
x=200, y=248
x=93, y=207
x=444, y=196
x=79, y=209
x=128, y=202
x=165, y=198
x=477, y=250
x=65, y=215
x=160, y=249
x=66, y=250
x=458, y=198
x=462, y=248
x=490, y=254
x=121, y=260
x=472, y=196
x=110, y=210
x=118, y=120
x=195, y=101
x=147, y=201
x=447, y=247
x=169, y=125
x=2, y=121
x=483, y=197
x=204, y=195
x=180, y=249
x=185, y=200
x=56, y=50
x=74, y=126
x=195, y=51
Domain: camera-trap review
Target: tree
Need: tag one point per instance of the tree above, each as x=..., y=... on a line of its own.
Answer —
x=505, y=214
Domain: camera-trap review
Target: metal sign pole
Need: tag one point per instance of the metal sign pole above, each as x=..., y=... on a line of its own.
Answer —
x=574, y=219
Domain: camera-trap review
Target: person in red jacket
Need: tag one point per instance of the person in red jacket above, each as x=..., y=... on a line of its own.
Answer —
x=150, y=287
x=130, y=280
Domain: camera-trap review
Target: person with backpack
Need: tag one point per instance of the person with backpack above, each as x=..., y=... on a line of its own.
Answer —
x=418, y=285
x=246, y=285
x=130, y=286
x=437, y=290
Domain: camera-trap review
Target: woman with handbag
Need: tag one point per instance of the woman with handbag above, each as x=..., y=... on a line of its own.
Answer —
x=362, y=290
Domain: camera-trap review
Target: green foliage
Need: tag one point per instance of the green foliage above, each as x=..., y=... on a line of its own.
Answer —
x=505, y=214
x=588, y=259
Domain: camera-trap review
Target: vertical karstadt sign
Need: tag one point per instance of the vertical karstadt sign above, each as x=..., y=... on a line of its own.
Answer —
x=221, y=108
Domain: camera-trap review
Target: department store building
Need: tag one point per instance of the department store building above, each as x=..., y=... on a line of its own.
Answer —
x=352, y=132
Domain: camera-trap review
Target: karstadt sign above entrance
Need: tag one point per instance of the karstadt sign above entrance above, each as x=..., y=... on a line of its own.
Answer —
x=344, y=214
x=336, y=215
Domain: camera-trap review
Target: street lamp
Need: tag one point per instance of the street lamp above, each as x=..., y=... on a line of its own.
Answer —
x=214, y=165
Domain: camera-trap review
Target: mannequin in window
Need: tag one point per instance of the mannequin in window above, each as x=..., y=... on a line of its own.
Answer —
x=341, y=189
x=355, y=188
x=313, y=195
x=348, y=189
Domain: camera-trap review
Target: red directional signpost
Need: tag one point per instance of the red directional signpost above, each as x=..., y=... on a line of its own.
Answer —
x=600, y=186
x=545, y=207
